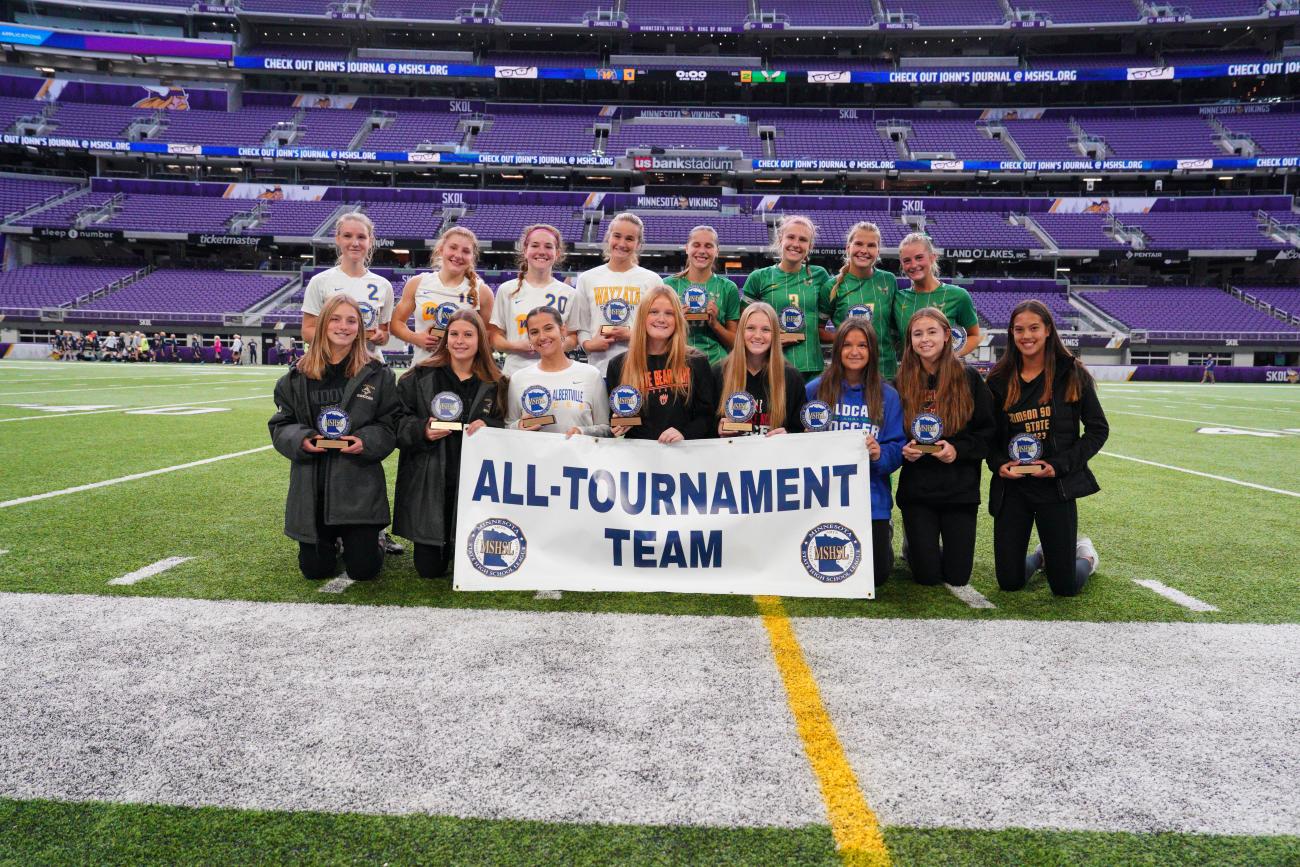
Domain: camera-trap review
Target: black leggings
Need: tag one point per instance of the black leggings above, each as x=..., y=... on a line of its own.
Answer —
x=941, y=542
x=431, y=561
x=361, y=555
x=1058, y=524
x=882, y=550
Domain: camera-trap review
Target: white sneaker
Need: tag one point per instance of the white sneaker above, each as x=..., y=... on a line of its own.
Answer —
x=1084, y=550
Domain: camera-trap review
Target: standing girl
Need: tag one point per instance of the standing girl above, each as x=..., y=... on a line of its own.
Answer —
x=756, y=365
x=578, y=399
x=337, y=494
x=428, y=470
x=862, y=289
x=1039, y=388
x=354, y=241
x=451, y=283
x=674, y=379
x=920, y=264
x=715, y=335
x=793, y=283
x=854, y=389
x=540, y=249
x=939, y=493
x=611, y=294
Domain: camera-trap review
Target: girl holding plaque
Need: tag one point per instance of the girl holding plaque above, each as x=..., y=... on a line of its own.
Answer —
x=798, y=291
x=354, y=241
x=859, y=398
x=451, y=284
x=757, y=367
x=1041, y=394
x=863, y=289
x=572, y=392
x=540, y=249
x=337, y=391
x=920, y=263
x=711, y=302
x=674, y=378
x=610, y=294
x=428, y=469
x=939, y=491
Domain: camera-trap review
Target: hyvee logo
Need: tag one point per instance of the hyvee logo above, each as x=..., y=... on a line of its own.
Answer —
x=691, y=75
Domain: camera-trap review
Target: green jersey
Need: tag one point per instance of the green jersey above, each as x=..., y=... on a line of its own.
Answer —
x=721, y=292
x=807, y=289
x=876, y=294
x=954, y=301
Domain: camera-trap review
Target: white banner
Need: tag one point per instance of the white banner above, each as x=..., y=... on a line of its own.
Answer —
x=785, y=515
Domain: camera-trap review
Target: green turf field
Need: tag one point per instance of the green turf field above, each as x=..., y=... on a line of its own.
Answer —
x=1212, y=515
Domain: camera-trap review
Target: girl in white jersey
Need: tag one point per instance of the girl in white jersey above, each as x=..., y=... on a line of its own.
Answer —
x=354, y=240
x=610, y=294
x=578, y=399
x=540, y=249
x=451, y=284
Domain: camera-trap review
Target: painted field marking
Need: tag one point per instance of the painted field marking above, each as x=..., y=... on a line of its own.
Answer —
x=1194, y=473
x=853, y=824
x=1215, y=404
x=548, y=594
x=83, y=407
x=149, y=571
x=124, y=409
x=4, y=551
x=120, y=387
x=1191, y=603
x=1196, y=421
x=337, y=584
x=970, y=596
x=131, y=478
x=184, y=410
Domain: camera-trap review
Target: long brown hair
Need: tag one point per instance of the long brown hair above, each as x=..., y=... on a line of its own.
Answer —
x=862, y=226
x=313, y=362
x=435, y=259
x=830, y=389
x=1012, y=362
x=953, y=401
x=521, y=251
x=735, y=365
x=636, y=365
x=484, y=367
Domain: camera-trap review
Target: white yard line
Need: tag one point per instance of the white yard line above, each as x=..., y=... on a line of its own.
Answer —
x=1191, y=603
x=970, y=596
x=1203, y=475
x=131, y=478
x=119, y=387
x=337, y=584
x=149, y=571
x=1219, y=423
x=1216, y=405
x=124, y=409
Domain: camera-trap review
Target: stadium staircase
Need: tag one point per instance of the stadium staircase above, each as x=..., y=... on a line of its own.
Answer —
x=283, y=297
x=1236, y=144
x=1088, y=145
x=1028, y=223
x=51, y=202
x=1092, y=311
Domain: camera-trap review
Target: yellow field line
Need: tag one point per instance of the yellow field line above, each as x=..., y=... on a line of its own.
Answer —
x=854, y=826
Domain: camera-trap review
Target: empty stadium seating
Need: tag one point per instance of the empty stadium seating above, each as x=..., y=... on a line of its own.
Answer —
x=1171, y=310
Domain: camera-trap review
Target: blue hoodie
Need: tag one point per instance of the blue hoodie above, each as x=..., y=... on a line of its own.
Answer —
x=850, y=412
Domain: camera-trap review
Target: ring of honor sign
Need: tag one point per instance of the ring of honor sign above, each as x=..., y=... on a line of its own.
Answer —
x=536, y=402
x=333, y=423
x=445, y=410
x=927, y=430
x=625, y=402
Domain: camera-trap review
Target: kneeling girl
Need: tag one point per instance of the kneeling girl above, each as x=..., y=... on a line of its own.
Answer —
x=337, y=494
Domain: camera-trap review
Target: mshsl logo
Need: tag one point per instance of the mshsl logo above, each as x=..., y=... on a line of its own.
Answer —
x=831, y=553
x=497, y=547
